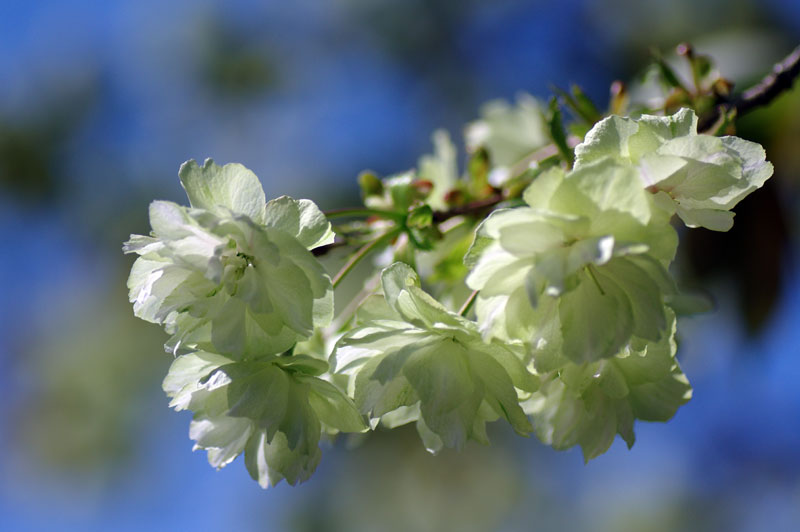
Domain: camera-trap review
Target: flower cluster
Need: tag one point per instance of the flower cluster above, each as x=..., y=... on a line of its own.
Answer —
x=569, y=333
x=413, y=360
x=233, y=280
x=573, y=286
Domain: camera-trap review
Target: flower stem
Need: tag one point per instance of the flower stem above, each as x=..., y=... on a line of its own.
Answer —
x=468, y=303
x=362, y=252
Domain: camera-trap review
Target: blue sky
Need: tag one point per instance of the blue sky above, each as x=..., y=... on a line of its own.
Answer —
x=341, y=103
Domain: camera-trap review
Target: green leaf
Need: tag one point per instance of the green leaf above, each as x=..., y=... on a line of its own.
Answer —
x=668, y=75
x=579, y=104
x=585, y=106
x=557, y=133
x=420, y=217
x=370, y=185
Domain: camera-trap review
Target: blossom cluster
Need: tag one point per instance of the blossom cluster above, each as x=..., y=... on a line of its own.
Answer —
x=571, y=336
x=233, y=280
x=573, y=285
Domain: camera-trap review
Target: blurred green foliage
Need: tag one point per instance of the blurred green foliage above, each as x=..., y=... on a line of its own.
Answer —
x=95, y=379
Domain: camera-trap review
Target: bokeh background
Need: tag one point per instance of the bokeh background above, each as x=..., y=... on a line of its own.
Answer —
x=100, y=101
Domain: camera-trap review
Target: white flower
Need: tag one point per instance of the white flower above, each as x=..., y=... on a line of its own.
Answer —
x=232, y=273
x=701, y=177
x=413, y=360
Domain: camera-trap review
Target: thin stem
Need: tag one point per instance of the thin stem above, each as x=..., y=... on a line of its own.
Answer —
x=355, y=213
x=468, y=303
x=362, y=252
x=340, y=321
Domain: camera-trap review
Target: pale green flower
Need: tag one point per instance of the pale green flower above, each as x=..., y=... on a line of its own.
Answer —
x=413, y=360
x=592, y=240
x=231, y=273
x=273, y=410
x=589, y=404
x=509, y=133
x=701, y=177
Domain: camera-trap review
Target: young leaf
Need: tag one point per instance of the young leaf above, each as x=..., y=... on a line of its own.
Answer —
x=557, y=133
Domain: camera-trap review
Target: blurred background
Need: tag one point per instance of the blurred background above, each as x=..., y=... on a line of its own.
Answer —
x=101, y=101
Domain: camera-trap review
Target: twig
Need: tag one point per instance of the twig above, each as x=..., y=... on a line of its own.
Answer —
x=363, y=252
x=781, y=78
x=347, y=313
x=475, y=207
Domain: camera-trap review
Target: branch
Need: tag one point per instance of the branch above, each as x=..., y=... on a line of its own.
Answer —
x=480, y=206
x=363, y=252
x=475, y=207
x=781, y=78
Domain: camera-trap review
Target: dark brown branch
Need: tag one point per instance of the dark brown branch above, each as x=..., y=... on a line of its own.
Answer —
x=474, y=208
x=781, y=79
